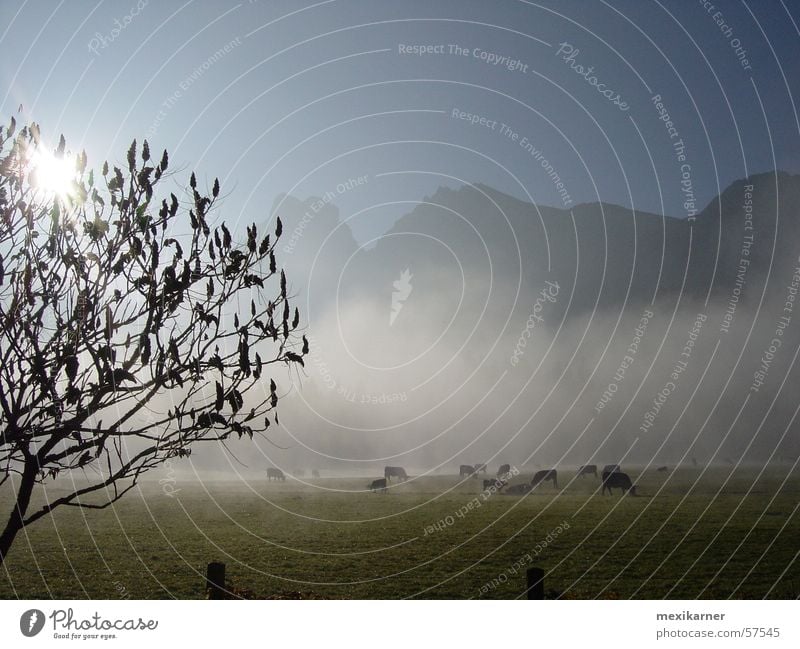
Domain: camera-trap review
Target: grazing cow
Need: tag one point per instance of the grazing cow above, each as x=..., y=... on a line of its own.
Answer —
x=378, y=485
x=544, y=476
x=275, y=474
x=314, y=473
x=494, y=483
x=611, y=468
x=588, y=469
x=503, y=471
x=617, y=480
x=466, y=469
x=518, y=489
x=396, y=471
x=662, y=469
x=480, y=468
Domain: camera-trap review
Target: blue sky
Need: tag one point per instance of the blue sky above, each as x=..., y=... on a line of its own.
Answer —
x=298, y=97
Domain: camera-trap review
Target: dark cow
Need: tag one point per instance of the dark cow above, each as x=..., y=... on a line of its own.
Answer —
x=466, y=469
x=504, y=470
x=544, y=476
x=275, y=474
x=395, y=471
x=314, y=473
x=480, y=468
x=611, y=468
x=662, y=469
x=617, y=480
x=378, y=485
x=494, y=483
x=518, y=489
x=588, y=469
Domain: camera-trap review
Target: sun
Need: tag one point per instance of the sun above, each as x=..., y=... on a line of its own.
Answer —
x=54, y=174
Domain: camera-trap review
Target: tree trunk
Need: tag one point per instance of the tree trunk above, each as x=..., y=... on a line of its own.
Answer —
x=15, y=524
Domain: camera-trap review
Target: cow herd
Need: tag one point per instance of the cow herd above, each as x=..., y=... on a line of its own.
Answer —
x=612, y=477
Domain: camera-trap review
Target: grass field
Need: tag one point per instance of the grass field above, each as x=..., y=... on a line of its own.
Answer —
x=680, y=538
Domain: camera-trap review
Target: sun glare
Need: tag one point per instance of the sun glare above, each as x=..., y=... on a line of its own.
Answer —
x=54, y=174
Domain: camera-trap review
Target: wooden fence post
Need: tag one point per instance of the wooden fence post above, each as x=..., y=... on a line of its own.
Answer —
x=535, y=583
x=215, y=580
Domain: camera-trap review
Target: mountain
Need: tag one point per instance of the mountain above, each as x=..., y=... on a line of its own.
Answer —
x=483, y=322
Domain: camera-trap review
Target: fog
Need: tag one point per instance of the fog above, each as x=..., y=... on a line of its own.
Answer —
x=439, y=346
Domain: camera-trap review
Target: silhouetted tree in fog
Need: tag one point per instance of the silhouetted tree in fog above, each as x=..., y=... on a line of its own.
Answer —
x=129, y=328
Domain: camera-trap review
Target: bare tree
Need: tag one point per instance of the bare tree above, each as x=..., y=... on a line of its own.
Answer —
x=129, y=328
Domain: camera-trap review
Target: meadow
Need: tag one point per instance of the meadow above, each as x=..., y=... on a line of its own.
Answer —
x=713, y=533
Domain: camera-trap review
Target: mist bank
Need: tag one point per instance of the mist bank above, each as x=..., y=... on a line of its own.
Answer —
x=481, y=328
